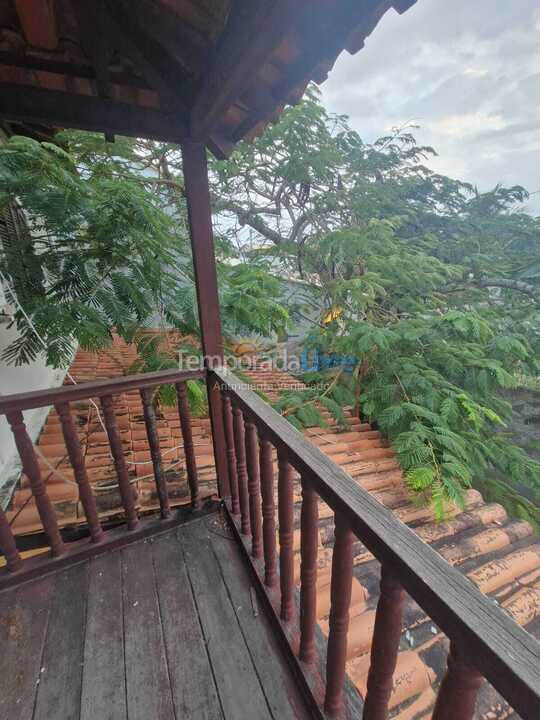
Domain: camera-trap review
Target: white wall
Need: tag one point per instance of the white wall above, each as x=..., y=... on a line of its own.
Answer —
x=14, y=379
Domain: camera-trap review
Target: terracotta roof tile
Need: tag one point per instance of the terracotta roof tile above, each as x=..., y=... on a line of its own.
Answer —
x=500, y=555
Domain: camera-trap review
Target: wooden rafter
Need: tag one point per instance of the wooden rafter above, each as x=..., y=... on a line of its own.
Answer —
x=62, y=109
x=182, y=44
x=92, y=32
x=328, y=34
x=38, y=22
x=253, y=31
x=160, y=70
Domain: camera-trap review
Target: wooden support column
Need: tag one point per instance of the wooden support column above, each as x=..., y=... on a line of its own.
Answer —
x=204, y=263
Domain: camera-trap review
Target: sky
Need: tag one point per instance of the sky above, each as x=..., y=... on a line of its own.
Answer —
x=467, y=72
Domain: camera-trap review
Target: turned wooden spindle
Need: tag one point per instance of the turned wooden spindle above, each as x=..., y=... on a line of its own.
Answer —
x=7, y=544
x=31, y=469
x=231, y=453
x=459, y=687
x=86, y=493
x=340, y=600
x=149, y=413
x=309, y=541
x=385, y=646
x=254, y=489
x=268, y=512
x=241, y=469
x=189, y=449
x=127, y=493
x=286, y=528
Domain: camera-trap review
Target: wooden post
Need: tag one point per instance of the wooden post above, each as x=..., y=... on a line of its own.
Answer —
x=340, y=600
x=126, y=491
x=309, y=541
x=231, y=452
x=254, y=489
x=39, y=491
x=459, y=688
x=155, y=452
x=86, y=494
x=385, y=647
x=204, y=263
x=189, y=449
x=268, y=512
x=286, y=520
x=7, y=544
x=241, y=469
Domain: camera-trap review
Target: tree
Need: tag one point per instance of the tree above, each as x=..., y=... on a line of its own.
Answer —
x=101, y=245
x=432, y=286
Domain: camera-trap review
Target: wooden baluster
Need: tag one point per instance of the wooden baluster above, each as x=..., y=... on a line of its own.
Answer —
x=126, y=491
x=189, y=448
x=7, y=544
x=309, y=541
x=254, y=489
x=39, y=491
x=86, y=493
x=459, y=688
x=268, y=512
x=231, y=453
x=286, y=519
x=241, y=468
x=385, y=647
x=340, y=600
x=155, y=452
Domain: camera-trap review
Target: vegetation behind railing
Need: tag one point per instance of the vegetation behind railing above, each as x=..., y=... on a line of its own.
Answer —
x=484, y=641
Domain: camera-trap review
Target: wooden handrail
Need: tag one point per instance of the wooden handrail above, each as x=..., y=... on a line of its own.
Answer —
x=61, y=398
x=96, y=388
x=495, y=645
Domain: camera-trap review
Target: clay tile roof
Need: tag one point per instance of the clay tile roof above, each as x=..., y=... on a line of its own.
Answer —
x=499, y=554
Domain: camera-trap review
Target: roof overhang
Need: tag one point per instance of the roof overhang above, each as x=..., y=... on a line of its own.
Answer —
x=215, y=71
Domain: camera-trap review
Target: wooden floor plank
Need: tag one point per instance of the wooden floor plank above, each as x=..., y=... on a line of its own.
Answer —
x=59, y=690
x=236, y=679
x=103, y=684
x=193, y=689
x=147, y=679
x=24, y=615
x=266, y=654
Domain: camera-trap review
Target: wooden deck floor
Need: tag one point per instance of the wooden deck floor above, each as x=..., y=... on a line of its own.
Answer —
x=162, y=628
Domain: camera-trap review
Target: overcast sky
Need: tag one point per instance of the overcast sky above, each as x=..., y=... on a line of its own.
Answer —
x=467, y=72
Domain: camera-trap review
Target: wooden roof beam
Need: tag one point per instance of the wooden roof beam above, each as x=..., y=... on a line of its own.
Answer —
x=159, y=69
x=327, y=37
x=253, y=31
x=38, y=22
x=60, y=109
x=92, y=26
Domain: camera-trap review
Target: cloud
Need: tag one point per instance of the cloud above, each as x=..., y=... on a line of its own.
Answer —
x=467, y=72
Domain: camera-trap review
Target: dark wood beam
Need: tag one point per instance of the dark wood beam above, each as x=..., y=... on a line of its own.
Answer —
x=325, y=35
x=54, y=63
x=92, y=30
x=161, y=71
x=38, y=22
x=204, y=262
x=158, y=22
x=253, y=31
x=58, y=109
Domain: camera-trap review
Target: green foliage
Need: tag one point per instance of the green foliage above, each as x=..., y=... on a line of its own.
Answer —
x=102, y=246
x=431, y=285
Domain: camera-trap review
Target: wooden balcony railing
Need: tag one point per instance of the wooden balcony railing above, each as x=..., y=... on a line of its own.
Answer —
x=484, y=640
x=103, y=391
